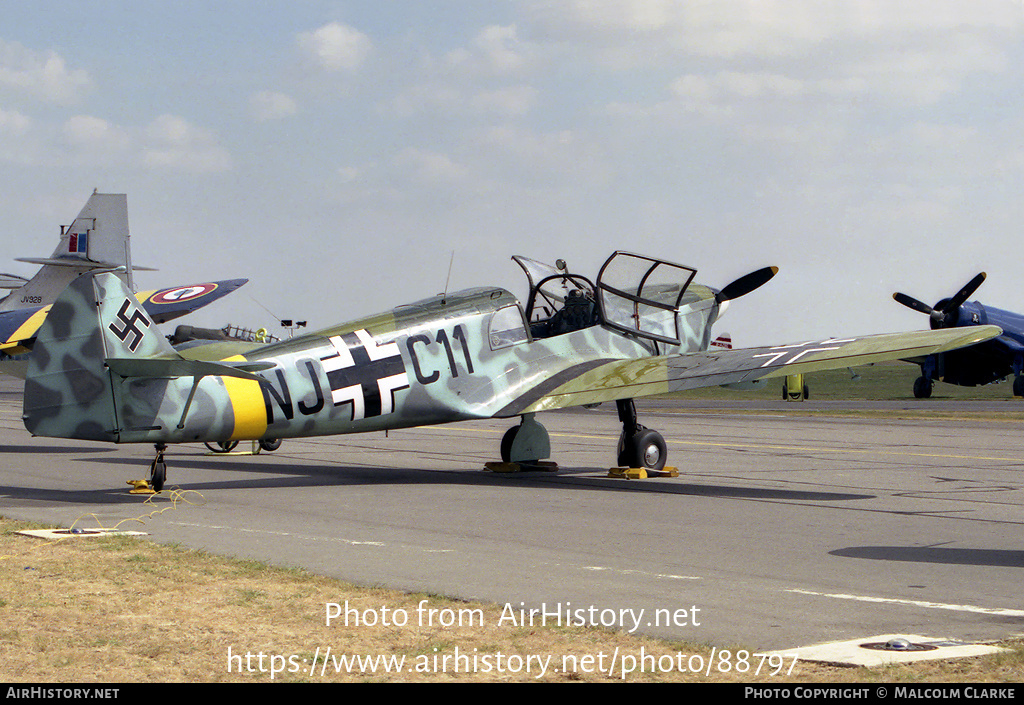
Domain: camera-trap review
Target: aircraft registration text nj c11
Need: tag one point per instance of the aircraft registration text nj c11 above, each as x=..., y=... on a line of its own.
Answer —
x=641, y=327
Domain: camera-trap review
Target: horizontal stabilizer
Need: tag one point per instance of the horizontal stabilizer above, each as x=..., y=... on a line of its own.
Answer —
x=101, y=370
x=12, y=281
x=176, y=367
x=82, y=264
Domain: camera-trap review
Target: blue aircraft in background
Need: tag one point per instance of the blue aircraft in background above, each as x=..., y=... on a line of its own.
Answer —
x=987, y=362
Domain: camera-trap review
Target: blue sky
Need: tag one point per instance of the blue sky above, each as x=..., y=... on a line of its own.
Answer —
x=337, y=153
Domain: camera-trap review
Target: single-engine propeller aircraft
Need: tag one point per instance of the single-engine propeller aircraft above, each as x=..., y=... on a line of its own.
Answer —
x=984, y=363
x=102, y=372
x=96, y=240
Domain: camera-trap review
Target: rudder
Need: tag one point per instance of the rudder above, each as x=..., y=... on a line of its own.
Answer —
x=68, y=387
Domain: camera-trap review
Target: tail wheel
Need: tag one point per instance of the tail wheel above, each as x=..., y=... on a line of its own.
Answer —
x=158, y=470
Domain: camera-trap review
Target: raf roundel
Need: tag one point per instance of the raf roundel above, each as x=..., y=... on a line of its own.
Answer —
x=182, y=293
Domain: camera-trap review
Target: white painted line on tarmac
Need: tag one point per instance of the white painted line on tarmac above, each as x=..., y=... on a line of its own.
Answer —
x=996, y=611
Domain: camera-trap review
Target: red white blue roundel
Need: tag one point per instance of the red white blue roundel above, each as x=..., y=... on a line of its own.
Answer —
x=182, y=293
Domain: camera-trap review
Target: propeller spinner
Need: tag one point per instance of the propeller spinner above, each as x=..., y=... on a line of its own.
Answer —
x=945, y=313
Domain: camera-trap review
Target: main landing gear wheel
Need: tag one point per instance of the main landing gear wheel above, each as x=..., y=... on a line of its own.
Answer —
x=526, y=443
x=506, y=444
x=923, y=387
x=224, y=446
x=644, y=449
x=639, y=447
x=270, y=444
x=1018, y=386
x=158, y=469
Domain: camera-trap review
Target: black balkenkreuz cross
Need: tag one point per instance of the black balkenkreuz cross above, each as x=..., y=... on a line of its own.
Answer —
x=128, y=326
x=364, y=374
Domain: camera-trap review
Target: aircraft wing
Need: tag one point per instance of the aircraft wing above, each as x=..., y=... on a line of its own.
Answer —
x=18, y=327
x=167, y=304
x=624, y=379
x=996, y=352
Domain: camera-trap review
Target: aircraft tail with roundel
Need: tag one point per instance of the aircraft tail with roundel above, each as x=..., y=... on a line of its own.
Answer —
x=96, y=239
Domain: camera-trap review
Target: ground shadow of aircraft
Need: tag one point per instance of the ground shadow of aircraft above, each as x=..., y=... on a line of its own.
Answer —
x=987, y=362
x=641, y=328
x=97, y=239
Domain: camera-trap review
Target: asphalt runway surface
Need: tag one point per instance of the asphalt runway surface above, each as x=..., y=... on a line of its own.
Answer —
x=783, y=529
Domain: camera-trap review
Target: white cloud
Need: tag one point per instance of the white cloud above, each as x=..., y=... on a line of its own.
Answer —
x=173, y=142
x=348, y=174
x=270, y=105
x=16, y=143
x=499, y=46
x=42, y=74
x=447, y=99
x=531, y=157
x=494, y=51
x=430, y=96
x=644, y=30
x=336, y=47
x=90, y=133
x=736, y=85
x=607, y=17
x=508, y=101
x=431, y=167
x=14, y=123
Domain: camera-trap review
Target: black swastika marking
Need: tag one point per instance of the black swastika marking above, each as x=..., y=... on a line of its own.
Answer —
x=128, y=326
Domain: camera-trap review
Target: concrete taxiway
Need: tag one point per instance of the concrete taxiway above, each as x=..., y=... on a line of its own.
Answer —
x=783, y=529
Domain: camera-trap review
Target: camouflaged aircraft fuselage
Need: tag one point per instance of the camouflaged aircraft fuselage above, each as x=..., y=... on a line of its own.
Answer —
x=467, y=355
x=102, y=371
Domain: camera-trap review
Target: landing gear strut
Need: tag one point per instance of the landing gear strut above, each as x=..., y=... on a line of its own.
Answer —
x=639, y=447
x=158, y=470
x=526, y=443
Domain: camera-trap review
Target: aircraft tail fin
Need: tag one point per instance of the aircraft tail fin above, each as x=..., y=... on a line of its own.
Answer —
x=101, y=370
x=69, y=390
x=97, y=239
x=722, y=342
